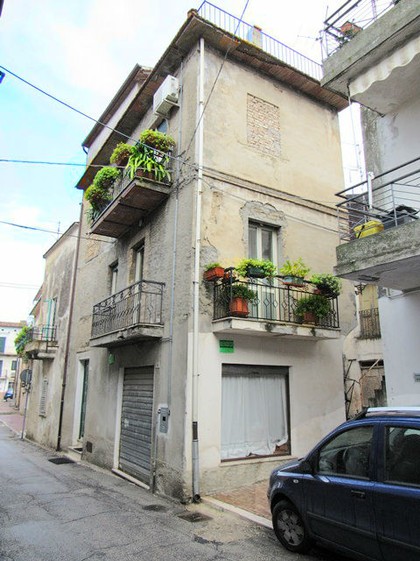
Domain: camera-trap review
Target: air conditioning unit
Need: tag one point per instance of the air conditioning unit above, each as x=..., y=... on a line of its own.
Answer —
x=166, y=96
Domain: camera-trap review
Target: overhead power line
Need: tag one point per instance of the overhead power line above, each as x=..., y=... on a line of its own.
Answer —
x=25, y=227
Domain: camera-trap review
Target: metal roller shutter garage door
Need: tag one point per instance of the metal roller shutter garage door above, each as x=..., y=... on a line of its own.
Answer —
x=136, y=422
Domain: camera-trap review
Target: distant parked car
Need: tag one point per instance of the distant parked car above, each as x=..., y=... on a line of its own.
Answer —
x=357, y=491
x=8, y=394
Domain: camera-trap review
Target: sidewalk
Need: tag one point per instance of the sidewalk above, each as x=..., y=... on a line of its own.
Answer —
x=250, y=502
x=10, y=416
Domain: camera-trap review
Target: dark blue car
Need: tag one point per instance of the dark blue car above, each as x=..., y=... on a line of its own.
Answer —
x=357, y=491
x=8, y=394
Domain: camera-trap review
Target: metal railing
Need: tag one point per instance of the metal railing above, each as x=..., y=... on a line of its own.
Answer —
x=253, y=34
x=274, y=302
x=370, y=327
x=138, y=304
x=353, y=16
x=45, y=333
x=381, y=202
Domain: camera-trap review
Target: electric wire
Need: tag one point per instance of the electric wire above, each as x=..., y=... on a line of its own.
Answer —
x=37, y=229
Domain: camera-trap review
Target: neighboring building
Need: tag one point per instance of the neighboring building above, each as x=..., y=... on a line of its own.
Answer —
x=48, y=340
x=8, y=355
x=378, y=66
x=164, y=383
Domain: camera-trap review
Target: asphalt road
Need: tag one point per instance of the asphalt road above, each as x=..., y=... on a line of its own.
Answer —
x=72, y=512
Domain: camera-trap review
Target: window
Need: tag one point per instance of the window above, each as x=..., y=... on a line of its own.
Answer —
x=1, y=367
x=2, y=344
x=262, y=242
x=114, y=277
x=43, y=398
x=347, y=454
x=14, y=365
x=138, y=263
x=254, y=411
x=402, y=455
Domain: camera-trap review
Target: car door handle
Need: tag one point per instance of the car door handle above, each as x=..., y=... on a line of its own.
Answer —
x=358, y=494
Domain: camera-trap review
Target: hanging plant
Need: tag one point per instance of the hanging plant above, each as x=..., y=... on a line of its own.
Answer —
x=158, y=140
x=121, y=153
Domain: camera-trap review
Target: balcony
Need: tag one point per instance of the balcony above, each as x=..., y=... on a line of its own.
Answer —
x=372, y=52
x=253, y=34
x=41, y=342
x=353, y=16
x=378, y=223
x=130, y=315
x=132, y=199
x=274, y=311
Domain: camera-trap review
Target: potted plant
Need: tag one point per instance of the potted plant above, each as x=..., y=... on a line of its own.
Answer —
x=256, y=268
x=120, y=155
x=294, y=272
x=144, y=161
x=240, y=294
x=157, y=140
x=99, y=193
x=213, y=271
x=327, y=284
x=311, y=308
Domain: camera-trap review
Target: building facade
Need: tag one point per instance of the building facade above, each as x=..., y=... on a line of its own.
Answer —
x=8, y=355
x=378, y=66
x=165, y=384
x=47, y=344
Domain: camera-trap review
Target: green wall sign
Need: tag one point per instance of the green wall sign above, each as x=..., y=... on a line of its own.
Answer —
x=226, y=346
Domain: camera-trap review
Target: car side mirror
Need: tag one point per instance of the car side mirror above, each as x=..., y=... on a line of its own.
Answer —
x=306, y=467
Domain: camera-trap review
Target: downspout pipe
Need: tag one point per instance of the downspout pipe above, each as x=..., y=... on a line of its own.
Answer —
x=196, y=280
x=67, y=348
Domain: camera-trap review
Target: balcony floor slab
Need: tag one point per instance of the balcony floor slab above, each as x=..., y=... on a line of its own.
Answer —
x=261, y=328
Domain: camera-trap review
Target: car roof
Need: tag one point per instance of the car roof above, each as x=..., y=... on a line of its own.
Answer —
x=386, y=412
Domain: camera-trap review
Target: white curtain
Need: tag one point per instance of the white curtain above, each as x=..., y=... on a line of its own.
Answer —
x=254, y=414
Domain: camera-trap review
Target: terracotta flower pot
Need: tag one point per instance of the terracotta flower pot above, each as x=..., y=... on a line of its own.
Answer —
x=238, y=306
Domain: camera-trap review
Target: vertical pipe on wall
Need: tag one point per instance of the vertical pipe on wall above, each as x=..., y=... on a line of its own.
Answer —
x=196, y=281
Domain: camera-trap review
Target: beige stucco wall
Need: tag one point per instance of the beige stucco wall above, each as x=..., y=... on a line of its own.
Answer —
x=59, y=265
x=241, y=182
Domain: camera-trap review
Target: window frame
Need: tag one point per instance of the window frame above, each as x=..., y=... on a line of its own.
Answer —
x=282, y=372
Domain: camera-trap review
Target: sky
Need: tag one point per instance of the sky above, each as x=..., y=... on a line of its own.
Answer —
x=80, y=52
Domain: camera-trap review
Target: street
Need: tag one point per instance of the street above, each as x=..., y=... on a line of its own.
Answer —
x=71, y=512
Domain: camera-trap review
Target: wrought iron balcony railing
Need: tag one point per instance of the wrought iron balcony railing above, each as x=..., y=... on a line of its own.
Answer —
x=383, y=201
x=47, y=333
x=353, y=16
x=274, y=301
x=247, y=32
x=369, y=324
x=137, y=305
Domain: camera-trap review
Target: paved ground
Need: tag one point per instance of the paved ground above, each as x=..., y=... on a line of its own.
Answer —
x=53, y=511
x=250, y=501
x=10, y=416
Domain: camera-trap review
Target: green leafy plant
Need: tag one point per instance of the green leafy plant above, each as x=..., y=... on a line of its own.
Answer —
x=144, y=158
x=99, y=193
x=316, y=304
x=211, y=266
x=241, y=290
x=256, y=267
x=327, y=283
x=21, y=339
x=294, y=268
x=106, y=177
x=158, y=140
x=121, y=153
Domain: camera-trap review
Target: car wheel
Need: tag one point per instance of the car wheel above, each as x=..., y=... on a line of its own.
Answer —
x=290, y=528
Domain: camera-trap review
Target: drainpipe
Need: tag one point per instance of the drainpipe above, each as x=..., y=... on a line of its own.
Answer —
x=172, y=288
x=196, y=282
x=67, y=347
